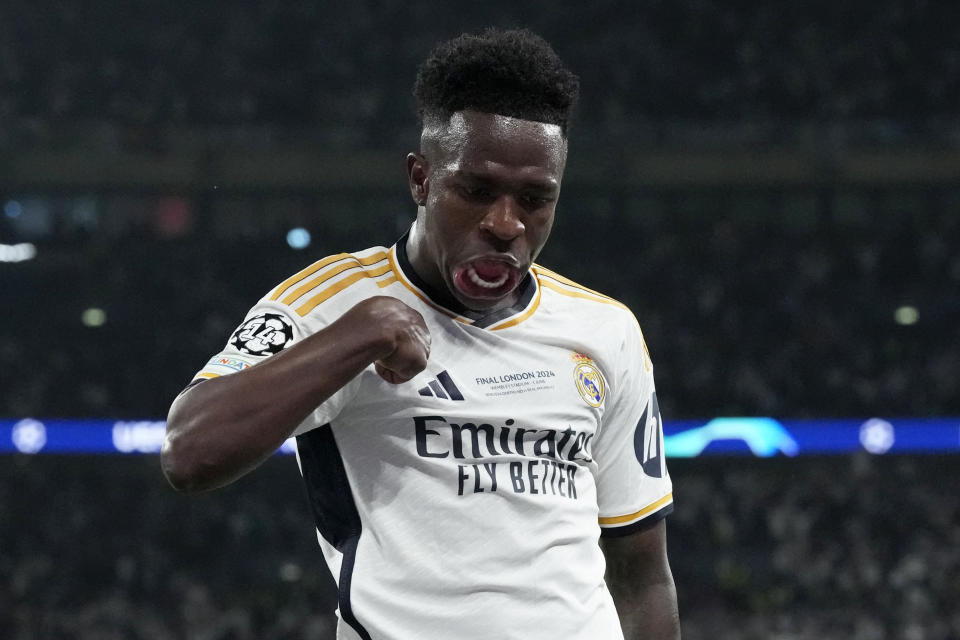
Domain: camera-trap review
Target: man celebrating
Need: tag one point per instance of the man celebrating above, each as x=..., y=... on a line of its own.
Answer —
x=468, y=423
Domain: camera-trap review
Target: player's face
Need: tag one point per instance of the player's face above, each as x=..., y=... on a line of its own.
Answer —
x=487, y=186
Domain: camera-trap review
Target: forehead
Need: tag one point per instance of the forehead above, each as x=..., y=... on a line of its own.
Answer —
x=473, y=141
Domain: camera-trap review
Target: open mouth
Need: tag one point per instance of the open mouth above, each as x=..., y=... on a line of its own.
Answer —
x=486, y=278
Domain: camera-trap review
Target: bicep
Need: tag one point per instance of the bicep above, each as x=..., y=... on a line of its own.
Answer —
x=637, y=559
x=641, y=584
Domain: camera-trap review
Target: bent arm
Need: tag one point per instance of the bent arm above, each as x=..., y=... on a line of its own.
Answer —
x=640, y=581
x=224, y=427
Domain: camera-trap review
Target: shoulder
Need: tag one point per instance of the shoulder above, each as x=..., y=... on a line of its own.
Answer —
x=323, y=281
x=605, y=319
x=578, y=297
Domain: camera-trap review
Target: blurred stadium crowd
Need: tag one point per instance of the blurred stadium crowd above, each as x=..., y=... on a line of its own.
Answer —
x=817, y=298
x=858, y=548
x=348, y=70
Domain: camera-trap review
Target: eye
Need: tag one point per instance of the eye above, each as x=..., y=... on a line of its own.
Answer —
x=535, y=201
x=475, y=192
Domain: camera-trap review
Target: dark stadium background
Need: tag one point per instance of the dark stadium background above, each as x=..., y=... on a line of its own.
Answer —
x=774, y=188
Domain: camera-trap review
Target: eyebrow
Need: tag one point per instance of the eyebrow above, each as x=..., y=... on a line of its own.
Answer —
x=547, y=185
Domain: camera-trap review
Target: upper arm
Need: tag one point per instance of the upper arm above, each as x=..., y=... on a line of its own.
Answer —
x=269, y=329
x=634, y=494
x=637, y=559
x=641, y=584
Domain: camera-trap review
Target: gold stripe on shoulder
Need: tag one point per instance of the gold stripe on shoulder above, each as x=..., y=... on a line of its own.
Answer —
x=549, y=283
x=556, y=276
x=306, y=273
x=648, y=362
x=567, y=281
x=206, y=376
x=352, y=262
x=339, y=286
x=639, y=514
x=386, y=281
x=588, y=294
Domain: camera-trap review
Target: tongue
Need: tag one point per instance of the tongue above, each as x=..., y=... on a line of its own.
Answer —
x=490, y=270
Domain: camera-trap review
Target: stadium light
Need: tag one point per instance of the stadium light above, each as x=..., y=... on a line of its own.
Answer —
x=17, y=252
x=298, y=238
x=93, y=317
x=12, y=209
x=906, y=315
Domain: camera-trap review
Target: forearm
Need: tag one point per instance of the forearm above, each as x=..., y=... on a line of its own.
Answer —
x=224, y=427
x=641, y=583
x=650, y=613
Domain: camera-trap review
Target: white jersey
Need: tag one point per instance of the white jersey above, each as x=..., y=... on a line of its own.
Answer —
x=467, y=502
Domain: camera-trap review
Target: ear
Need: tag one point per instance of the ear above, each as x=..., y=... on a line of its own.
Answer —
x=418, y=172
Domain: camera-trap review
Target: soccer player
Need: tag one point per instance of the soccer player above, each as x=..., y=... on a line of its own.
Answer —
x=479, y=436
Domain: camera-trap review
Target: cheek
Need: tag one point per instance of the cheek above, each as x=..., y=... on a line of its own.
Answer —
x=446, y=226
x=538, y=230
x=452, y=216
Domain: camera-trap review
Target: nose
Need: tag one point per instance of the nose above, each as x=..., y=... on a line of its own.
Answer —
x=503, y=219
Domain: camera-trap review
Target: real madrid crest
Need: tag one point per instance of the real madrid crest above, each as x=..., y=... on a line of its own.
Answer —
x=588, y=379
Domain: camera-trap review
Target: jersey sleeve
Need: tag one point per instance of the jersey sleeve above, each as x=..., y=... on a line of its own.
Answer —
x=634, y=489
x=269, y=328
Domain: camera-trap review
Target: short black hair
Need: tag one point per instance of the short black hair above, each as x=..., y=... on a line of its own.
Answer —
x=513, y=73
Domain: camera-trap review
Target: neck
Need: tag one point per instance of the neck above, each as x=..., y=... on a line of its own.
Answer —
x=419, y=256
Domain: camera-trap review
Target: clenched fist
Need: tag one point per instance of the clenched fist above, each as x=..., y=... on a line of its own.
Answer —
x=400, y=333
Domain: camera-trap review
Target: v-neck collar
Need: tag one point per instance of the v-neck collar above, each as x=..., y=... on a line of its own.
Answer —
x=527, y=298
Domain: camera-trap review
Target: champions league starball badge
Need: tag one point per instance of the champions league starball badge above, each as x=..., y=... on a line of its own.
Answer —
x=262, y=335
x=588, y=379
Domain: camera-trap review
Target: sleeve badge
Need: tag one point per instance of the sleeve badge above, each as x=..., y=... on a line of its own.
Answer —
x=263, y=335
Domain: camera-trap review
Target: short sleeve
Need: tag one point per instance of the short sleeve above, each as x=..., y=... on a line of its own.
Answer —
x=634, y=489
x=268, y=329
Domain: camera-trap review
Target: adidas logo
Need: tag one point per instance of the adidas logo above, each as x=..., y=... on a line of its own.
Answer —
x=442, y=387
